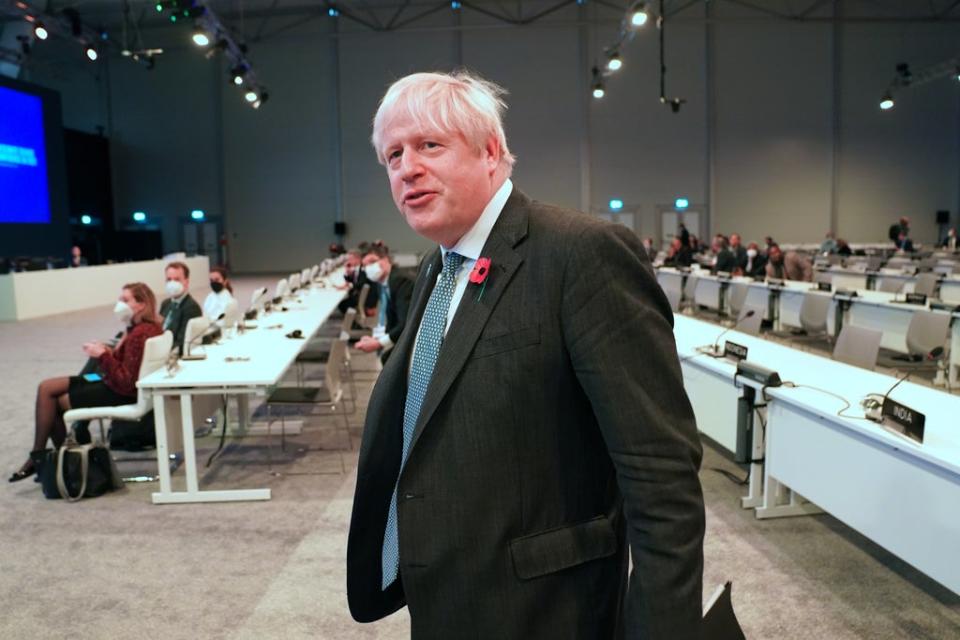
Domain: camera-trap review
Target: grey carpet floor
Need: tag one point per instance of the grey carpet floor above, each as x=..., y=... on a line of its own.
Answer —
x=120, y=567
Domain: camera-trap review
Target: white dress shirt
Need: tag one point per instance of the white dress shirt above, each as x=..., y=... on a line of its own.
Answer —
x=216, y=303
x=470, y=246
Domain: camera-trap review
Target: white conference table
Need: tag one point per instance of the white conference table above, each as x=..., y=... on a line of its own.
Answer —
x=900, y=494
x=245, y=364
x=870, y=309
x=950, y=290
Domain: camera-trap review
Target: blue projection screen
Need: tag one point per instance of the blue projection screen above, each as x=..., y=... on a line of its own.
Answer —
x=24, y=191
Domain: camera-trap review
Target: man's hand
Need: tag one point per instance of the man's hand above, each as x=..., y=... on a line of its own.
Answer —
x=368, y=344
x=94, y=349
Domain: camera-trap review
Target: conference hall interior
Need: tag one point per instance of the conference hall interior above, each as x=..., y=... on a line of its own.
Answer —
x=788, y=176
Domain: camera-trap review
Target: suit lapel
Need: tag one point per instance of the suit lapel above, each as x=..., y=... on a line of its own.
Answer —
x=418, y=304
x=474, y=310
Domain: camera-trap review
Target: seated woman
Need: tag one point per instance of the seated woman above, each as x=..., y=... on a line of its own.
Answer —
x=221, y=293
x=120, y=367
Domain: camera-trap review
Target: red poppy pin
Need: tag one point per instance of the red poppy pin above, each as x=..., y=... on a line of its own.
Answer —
x=481, y=269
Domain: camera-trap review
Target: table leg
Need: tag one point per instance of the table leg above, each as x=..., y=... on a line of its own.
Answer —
x=163, y=454
x=189, y=446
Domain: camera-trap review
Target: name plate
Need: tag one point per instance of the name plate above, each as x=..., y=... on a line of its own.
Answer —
x=824, y=286
x=916, y=298
x=734, y=351
x=775, y=282
x=903, y=420
x=845, y=293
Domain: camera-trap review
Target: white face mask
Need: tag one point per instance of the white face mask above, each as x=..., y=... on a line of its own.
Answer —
x=122, y=311
x=751, y=253
x=374, y=271
x=174, y=288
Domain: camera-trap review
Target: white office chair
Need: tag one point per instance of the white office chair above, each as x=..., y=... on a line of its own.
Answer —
x=927, y=331
x=752, y=324
x=673, y=297
x=690, y=292
x=330, y=395
x=281, y=289
x=926, y=284
x=736, y=296
x=320, y=354
x=156, y=351
x=858, y=346
x=155, y=354
x=890, y=285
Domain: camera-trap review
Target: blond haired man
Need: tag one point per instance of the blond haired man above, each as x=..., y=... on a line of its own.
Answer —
x=531, y=425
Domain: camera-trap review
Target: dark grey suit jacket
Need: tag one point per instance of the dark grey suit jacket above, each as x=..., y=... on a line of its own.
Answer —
x=555, y=430
x=187, y=310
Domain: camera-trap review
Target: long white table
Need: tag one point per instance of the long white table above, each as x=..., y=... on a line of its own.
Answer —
x=33, y=294
x=900, y=494
x=244, y=365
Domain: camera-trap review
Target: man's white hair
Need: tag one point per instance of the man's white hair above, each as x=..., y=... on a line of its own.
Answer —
x=456, y=103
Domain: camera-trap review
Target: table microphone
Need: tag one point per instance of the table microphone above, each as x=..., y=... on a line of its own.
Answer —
x=203, y=334
x=714, y=350
x=873, y=403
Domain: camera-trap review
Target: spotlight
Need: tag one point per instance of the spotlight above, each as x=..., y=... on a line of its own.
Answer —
x=237, y=73
x=598, y=91
x=614, y=62
x=251, y=96
x=200, y=38
x=639, y=15
x=40, y=32
x=91, y=53
x=886, y=103
x=264, y=96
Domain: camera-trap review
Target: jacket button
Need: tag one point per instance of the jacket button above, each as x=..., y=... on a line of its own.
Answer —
x=409, y=496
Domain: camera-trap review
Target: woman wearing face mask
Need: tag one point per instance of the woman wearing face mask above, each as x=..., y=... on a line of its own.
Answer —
x=221, y=293
x=120, y=367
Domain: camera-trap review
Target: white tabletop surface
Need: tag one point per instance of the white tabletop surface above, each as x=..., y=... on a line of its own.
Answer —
x=265, y=353
x=941, y=446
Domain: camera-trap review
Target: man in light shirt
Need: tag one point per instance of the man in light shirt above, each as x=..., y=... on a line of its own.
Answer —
x=530, y=426
x=395, y=286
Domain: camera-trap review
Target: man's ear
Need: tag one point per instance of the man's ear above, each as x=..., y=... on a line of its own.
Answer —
x=492, y=153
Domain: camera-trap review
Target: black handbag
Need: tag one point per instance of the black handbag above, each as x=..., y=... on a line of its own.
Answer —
x=76, y=471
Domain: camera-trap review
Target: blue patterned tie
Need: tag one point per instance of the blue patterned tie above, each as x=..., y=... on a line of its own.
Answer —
x=424, y=358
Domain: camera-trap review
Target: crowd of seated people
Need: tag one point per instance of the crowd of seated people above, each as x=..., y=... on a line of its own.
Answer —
x=728, y=255
x=110, y=374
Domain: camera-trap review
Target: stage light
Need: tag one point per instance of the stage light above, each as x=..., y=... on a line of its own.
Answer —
x=261, y=99
x=681, y=203
x=238, y=80
x=200, y=38
x=251, y=96
x=40, y=32
x=598, y=91
x=139, y=216
x=85, y=219
x=616, y=204
x=197, y=214
x=614, y=63
x=159, y=8
x=639, y=15
x=886, y=103
x=91, y=53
